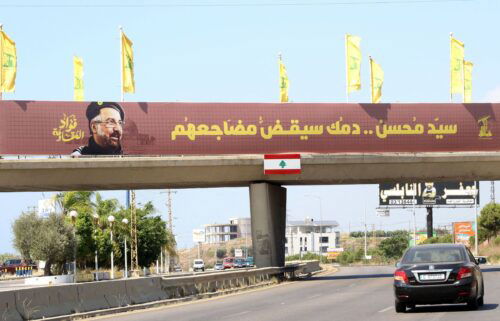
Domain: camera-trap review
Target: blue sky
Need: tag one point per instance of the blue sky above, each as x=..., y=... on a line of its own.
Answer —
x=226, y=51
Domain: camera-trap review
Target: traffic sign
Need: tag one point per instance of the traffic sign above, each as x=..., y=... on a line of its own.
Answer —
x=282, y=164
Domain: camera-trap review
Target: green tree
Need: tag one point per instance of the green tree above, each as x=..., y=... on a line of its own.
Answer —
x=151, y=235
x=54, y=243
x=24, y=228
x=489, y=220
x=221, y=253
x=393, y=247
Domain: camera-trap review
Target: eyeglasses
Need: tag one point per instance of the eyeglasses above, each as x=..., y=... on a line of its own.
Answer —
x=111, y=123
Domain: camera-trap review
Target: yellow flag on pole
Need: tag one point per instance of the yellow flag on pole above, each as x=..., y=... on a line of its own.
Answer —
x=353, y=62
x=128, y=83
x=8, y=63
x=78, y=79
x=467, y=81
x=456, y=66
x=284, y=83
x=377, y=80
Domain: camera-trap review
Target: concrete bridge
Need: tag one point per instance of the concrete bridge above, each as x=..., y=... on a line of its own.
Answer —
x=267, y=196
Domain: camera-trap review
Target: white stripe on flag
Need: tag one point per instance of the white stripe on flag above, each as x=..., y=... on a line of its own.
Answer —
x=287, y=163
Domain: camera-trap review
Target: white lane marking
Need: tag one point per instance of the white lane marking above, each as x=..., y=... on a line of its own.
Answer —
x=386, y=309
x=314, y=296
x=237, y=314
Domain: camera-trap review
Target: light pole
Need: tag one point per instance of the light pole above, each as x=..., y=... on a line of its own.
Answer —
x=96, y=224
x=320, y=220
x=111, y=219
x=73, y=214
x=125, y=221
x=476, y=237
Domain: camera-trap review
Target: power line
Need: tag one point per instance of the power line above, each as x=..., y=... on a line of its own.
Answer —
x=232, y=5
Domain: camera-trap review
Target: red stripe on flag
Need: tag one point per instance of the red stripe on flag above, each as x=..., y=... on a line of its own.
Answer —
x=282, y=156
x=281, y=171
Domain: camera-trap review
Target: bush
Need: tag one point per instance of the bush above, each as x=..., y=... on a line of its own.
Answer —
x=393, y=247
x=439, y=239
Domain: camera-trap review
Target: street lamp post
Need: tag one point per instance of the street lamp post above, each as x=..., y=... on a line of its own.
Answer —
x=73, y=214
x=125, y=221
x=111, y=219
x=320, y=220
x=96, y=224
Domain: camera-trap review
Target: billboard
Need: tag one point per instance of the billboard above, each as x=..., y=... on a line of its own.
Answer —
x=429, y=194
x=462, y=231
x=46, y=207
x=198, y=236
x=143, y=128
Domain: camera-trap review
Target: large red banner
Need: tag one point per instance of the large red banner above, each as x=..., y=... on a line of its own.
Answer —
x=58, y=128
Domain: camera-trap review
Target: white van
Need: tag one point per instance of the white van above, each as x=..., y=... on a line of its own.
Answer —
x=198, y=265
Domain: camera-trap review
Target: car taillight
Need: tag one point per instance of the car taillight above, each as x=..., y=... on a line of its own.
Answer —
x=464, y=273
x=400, y=275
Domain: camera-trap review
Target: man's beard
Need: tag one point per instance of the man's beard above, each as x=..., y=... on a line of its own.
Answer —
x=108, y=142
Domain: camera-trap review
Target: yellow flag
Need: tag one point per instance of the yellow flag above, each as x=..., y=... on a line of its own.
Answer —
x=353, y=62
x=8, y=63
x=467, y=81
x=456, y=66
x=78, y=79
x=284, y=83
x=377, y=80
x=128, y=83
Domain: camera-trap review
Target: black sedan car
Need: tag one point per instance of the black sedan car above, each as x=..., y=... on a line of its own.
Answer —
x=438, y=274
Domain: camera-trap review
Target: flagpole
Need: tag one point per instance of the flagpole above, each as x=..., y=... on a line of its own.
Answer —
x=451, y=67
x=371, y=78
x=346, y=71
x=1, y=63
x=463, y=80
x=279, y=70
x=121, y=63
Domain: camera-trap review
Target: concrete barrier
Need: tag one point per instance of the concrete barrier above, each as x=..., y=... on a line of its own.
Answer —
x=145, y=290
x=8, y=311
x=50, y=280
x=103, y=295
x=92, y=298
x=44, y=302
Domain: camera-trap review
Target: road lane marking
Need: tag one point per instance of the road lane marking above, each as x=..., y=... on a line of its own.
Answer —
x=386, y=309
x=236, y=314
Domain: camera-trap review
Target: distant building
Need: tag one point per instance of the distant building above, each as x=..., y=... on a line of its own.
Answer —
x=236, y=228
x=311, y=236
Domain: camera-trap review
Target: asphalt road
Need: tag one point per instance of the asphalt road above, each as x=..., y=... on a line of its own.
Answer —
x=356, y=293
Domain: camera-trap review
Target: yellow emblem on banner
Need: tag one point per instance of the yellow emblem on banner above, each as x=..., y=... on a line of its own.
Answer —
x=484, y=131
x=67, y=132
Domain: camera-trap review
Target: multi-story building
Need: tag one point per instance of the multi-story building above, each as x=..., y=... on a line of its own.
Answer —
x=311, y=236
x=236, y=228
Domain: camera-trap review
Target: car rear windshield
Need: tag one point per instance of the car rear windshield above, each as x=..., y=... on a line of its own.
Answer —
x=433, y=255
x=198, y=262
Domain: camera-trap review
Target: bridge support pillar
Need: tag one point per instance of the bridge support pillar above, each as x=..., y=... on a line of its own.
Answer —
x=268, y=217
x=430, y=231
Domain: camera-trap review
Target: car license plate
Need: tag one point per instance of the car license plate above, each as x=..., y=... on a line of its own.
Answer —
x=432, y=277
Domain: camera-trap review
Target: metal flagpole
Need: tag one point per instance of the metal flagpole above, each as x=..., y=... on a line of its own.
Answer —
x=451, y=68
x=121, y=63
x=1, y=63
x=371, y=79
x=346, y=71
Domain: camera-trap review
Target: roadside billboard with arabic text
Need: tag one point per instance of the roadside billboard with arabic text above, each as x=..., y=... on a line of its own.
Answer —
x=57, y=128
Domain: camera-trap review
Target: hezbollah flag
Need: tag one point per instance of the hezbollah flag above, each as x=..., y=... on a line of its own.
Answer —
x=377, y=80
x=128, y=83
x=353, y=62
x=456, y=66
x=284, y=83
x=78, y=79
x=8, y=63
x=467, y=81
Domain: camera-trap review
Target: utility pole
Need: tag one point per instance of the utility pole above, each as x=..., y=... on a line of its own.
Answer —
x=170, y=224
x=492, y=195
x=133, y=235
x=365, y=233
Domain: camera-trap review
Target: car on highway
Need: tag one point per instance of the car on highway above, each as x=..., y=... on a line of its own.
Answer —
x=198, y=265
x=239, y=263
x=249, y=261
x=228, y=262
x=10, y=266
x=218, y=266
x=438, y=274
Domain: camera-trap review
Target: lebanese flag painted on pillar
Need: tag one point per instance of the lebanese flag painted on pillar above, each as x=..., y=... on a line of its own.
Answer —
x=282, y=164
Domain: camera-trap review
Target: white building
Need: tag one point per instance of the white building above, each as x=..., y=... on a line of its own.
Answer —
x=236, y=228
x=311, y=236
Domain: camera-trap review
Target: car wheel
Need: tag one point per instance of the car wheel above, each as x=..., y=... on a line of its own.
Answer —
x=480, y=302
x=473, y=304
x=400, y=307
